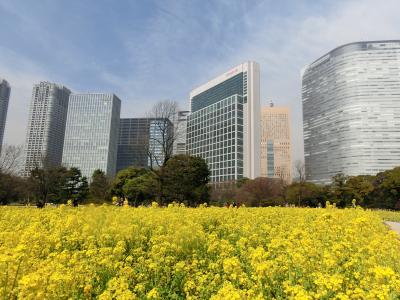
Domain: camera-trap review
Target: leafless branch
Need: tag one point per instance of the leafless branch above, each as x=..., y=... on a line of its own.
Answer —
x=11, y=159
x=162, y=137
x=300, y=169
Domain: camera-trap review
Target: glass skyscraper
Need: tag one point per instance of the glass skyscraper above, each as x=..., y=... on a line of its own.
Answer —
x=46, y=125
x=138, y=136
x=224, y=123
x=351, y=110
x=91, y=135
x=4, y=98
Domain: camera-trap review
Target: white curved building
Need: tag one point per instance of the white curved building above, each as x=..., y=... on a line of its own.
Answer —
x=351, y=110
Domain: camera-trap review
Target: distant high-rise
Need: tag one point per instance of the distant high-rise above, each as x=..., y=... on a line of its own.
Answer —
x=351, y=111
x=91, y=135
x=140, y=137
x=180, y=127
x=276, y=160
x=46, y=125
x=224, y=123
x=4, y=98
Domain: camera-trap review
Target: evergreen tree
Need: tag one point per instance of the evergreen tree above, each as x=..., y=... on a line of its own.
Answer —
x=99, y=187
x=185, y=180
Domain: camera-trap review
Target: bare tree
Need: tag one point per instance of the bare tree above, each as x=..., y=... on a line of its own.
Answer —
x=162, y=134
x=300, y=169
x=261, y=191
x=301, y=172
x=163, y=116
x=11, y=159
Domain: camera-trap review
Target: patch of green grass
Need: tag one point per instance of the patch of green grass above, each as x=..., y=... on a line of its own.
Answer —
x=389, y=215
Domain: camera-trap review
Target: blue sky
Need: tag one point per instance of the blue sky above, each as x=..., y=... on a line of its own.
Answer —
x=146, y=51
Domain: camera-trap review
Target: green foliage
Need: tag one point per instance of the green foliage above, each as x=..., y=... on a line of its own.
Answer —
x=359, y=188
x=305, y=194
x=386, y=193
x=380, y=191
x=140, y=189
x=122, y=177
x=99, y=189
x=339, y=190
x=75, y=186
x=241, y=182
x=57, y=185
x=185, y=179
x=47, y=184
x=12, y=188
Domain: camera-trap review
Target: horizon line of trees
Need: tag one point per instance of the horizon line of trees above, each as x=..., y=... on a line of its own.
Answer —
x=185, y=178
x=370, y=191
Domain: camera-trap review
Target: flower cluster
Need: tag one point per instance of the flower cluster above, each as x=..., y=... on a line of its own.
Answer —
x=110, y=252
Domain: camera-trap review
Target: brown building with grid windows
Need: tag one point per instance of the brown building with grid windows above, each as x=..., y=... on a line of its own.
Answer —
x=276, y=150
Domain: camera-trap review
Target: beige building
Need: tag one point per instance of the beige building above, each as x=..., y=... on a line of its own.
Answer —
x=276, y=150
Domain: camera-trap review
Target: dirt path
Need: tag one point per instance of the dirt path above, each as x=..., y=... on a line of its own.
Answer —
x=394, y=226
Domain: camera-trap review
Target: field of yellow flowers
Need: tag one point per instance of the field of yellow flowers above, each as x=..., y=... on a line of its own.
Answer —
x=109, y=252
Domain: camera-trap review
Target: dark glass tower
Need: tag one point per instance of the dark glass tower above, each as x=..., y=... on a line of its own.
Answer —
x=138, y=137
x=4, y=98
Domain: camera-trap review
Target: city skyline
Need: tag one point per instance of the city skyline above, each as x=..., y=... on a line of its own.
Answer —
x=282, y=37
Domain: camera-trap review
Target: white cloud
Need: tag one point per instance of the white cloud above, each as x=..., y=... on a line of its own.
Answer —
x=283, y=47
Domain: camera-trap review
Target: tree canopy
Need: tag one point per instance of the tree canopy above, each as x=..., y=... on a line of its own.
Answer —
x=185, y=179
x=99, y=189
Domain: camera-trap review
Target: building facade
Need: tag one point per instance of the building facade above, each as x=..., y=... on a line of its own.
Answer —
x=132, y=143
x=46, y=125
x=5, y=90
x=141, y=142
x=276, y=157
x=180, y=128
x=91, y=137
x=224, y=123
x=351, y=111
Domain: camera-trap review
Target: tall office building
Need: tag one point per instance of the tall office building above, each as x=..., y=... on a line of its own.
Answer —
x=180, y=128
x=91, y=136
x=138, y=137
x=46, y=125
x=276, y=158
x=224, y=123
x=351, y=110
x=4, y=98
